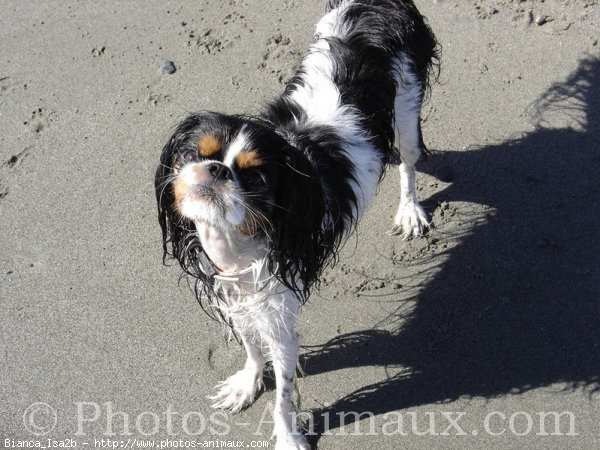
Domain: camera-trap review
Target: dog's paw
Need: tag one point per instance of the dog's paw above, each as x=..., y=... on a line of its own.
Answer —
x=410, y=221
x=294, y=441
x=237, y=391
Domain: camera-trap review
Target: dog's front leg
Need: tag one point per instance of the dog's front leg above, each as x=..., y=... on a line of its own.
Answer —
x=279, y=333
x=240, y=389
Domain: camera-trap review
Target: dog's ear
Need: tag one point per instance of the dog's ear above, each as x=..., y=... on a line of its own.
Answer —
x=176, y=229
x=299, y=244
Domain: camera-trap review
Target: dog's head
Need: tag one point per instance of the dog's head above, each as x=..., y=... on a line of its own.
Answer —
x=238, y=175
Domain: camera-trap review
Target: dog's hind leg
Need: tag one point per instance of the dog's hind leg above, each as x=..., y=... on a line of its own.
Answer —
x=411, y=219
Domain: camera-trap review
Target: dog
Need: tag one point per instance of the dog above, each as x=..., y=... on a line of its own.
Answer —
x=254, y=207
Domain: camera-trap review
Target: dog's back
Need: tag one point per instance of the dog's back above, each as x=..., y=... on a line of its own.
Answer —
x=373, y=38
x=363, y=77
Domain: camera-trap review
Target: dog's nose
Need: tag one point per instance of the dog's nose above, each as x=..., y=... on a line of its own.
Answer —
x=219, y=171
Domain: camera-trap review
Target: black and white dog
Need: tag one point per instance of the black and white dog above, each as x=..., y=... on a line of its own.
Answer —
x=253, y=208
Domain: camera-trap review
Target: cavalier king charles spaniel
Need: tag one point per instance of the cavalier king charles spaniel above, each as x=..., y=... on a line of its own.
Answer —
x=255, y=207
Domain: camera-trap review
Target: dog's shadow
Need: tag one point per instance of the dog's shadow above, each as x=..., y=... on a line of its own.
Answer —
x=515, y=305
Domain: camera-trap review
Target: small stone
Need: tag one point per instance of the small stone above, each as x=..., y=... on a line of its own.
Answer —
x=540, y=20
x=98, y=51
x=168, y=67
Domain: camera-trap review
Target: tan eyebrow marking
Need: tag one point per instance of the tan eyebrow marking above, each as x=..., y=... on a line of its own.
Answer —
x=247, y=160
x=208, y=145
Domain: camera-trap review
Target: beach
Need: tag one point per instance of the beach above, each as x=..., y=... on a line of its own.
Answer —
x=482, y=334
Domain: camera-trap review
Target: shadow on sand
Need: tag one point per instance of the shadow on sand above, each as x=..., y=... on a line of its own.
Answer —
x=516, y=305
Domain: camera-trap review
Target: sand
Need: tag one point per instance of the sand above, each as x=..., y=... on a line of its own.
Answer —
x=488, y=321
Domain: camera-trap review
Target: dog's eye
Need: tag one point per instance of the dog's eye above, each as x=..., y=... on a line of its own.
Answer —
x=189, y=156
x=256, y=180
